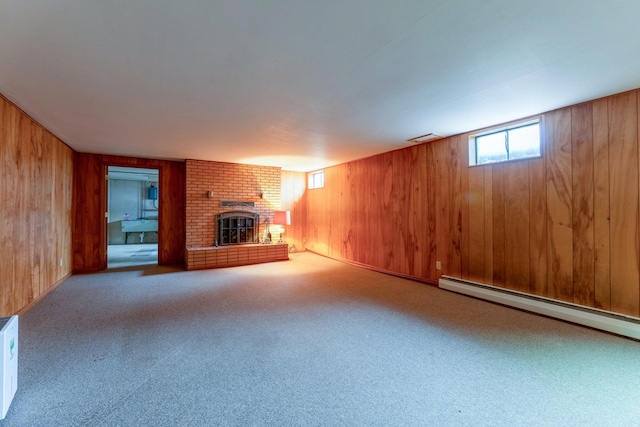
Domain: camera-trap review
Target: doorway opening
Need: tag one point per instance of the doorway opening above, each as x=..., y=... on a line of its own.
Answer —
x=132, y=216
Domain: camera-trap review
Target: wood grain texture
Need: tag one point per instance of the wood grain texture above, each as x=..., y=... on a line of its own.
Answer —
x=417, y=247
x=463, y=200
x=516, y=225
x=602, y=262
x=623, y=185
x=89, y=223
x=582, y=197
x=488, y=225
x=456, y=195
x=401, y=210
x=171, y=215
x=429, y=234
x=90, y=201
x=293, y=199
x=498, y=225
x=35, y=219
x=351, y=228
x=476, y=230
x=385, y=227
x=359, y=214
x=538, y=227
x=443, y=186
x=559, y=205
x=564, y=225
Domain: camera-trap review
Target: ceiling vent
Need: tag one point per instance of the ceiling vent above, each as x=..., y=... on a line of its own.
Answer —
x=424, y=138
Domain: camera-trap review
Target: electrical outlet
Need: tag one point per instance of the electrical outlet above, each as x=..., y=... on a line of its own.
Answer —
x=60, y=262
x=438, y=265
x=304, y=240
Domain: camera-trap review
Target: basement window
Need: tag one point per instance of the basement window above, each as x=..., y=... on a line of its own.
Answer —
x=316, y=179
x=519, y=141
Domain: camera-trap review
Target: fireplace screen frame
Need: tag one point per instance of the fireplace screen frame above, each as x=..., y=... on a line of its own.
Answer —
x=238, y=228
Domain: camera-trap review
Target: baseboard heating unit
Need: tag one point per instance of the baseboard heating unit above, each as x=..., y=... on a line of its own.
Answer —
x=619, y=324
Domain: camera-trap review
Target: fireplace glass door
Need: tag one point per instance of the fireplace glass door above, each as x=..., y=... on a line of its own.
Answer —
x=237, y=228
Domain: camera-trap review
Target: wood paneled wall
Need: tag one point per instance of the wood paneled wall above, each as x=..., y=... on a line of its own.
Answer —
x=89, y=207
x=294, y=199
x=565, y=225
x=35, y=219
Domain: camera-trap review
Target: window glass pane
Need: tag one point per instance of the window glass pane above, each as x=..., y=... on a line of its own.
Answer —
x=316, y=179
x=491, y=148
x=524, y=142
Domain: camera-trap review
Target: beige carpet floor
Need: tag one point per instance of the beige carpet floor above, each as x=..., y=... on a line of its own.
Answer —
x=308, y=342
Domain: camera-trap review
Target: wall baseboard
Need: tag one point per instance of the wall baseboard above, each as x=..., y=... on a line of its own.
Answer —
x=376, y=269
x=615, y=323
x=33, y=303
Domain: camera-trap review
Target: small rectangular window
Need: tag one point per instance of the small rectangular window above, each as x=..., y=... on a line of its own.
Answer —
x=520, y=141
x=316, y=179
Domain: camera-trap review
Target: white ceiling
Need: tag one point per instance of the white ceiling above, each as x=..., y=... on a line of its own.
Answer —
x=302, y=84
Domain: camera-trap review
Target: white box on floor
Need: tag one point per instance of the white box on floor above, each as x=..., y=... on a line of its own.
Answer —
x=8, y=361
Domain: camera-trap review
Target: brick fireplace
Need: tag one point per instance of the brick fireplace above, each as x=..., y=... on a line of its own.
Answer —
x=255, y=190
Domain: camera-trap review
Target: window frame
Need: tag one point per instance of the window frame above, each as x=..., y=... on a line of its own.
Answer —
x=311, y=179
x=539, y=120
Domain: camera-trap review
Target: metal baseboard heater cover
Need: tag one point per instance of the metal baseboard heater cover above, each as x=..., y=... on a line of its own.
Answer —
x=619, y=324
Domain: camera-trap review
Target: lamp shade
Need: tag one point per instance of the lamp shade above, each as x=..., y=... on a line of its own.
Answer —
x=282, y=218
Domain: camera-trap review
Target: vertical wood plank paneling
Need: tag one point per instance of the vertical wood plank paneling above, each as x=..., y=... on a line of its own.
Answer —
x=623, y=169
x=454, y=159
x=488, y=225
x=538, y=226
x=498, y=225
x=9, y=248
x=431, y=191
x=602, y=264
x=90, y=198
x=88, y=229
x=443, y=206
x=171, y=219
x=6, y=269
x=23, y=226
x=401, y=211
x=364, y=188
x=463, y=167
x=387, y=233
x=314, y=208
x=345, y=230
x=340, y=221
x=35, y=220
x=418, y=248
x=564, y=225
x=559, y=205
x=516, y=225
x=354, y=211
x=333, y=196
x=36, y=226
x=476, y=224
x=582, y=196
x=63, y=215
x=302, y=211
x=293, y=186
x=374, y=176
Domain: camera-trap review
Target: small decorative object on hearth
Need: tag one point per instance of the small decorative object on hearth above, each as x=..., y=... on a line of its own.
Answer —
x=267, y=232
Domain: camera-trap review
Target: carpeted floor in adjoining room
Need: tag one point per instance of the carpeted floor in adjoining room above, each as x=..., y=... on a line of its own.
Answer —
x=308, y=342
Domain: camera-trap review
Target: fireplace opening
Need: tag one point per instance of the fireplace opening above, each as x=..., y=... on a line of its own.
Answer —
x=238, y=228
